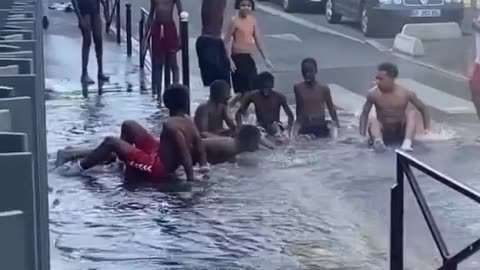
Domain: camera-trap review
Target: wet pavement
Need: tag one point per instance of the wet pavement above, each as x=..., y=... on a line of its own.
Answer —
x=326, y=206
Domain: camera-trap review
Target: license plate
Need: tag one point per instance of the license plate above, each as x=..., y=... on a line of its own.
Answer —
x=426, y=13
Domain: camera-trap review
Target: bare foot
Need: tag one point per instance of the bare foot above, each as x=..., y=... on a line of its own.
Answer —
x=86, y=79
x=103, y=77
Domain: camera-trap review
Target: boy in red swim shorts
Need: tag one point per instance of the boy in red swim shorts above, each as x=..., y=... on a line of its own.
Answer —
x=146, y=158
x=165, y=42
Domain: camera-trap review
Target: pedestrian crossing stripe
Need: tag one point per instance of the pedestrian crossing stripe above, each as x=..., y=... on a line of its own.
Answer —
x=438, y=99
x=353, y=102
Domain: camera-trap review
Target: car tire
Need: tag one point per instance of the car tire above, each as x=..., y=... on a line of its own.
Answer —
x=291, y=6
x=331, y=14
x=368, y=26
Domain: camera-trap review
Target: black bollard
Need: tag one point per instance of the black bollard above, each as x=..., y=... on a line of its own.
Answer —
x=140, y=37
x=128, y=9
x=106, y=12
x=185, y=56
x=118, y=21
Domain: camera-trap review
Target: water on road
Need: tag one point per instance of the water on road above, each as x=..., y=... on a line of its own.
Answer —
x=326, y=206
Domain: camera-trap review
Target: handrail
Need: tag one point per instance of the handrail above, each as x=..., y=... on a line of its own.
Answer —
x=144, y=36
x=110, y=10
x=404, y=164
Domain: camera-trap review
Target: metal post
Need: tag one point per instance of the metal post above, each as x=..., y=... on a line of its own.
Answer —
x=185, y=49
x=107, y=17
x=128, y=9
x=140, y=37
x=396, y=220
x=118, y=21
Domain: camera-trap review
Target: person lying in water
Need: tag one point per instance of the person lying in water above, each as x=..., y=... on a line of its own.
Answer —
x=218, y=149
x=268, y=103
x=395, y=122
x=210, y=116
x=146, y=158
x=228, y=149
x=311, y=96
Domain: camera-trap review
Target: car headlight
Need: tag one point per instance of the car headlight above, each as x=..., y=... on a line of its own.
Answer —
x=448, y=1
x=385, y=2
x=397, y=2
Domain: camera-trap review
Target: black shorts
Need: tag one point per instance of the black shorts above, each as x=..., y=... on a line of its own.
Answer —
x=393, y=133
x=244, y=76
x=319, y=131
x=212, y=60
x=89, y=7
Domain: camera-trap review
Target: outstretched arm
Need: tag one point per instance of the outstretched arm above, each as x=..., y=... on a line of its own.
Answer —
x=412, y=97
x=331, y=108
x=243, y=107
x=288, y=111
x=365, y=112
x=228, y=119
x=185, y=155
x=179, y=6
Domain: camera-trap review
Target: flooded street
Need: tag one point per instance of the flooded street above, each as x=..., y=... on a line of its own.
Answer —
x=324, y=207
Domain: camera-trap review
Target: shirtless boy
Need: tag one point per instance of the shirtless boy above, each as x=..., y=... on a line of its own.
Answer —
x=395, y=122
x=165, y=42
x=209, y=116
x=212, y=57
x=145, y=157
x=267, y=104
x=90, y=24
x=227, y=149
x=311, y=97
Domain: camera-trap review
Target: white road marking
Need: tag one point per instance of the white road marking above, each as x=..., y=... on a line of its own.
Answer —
x=438, y=99
x=286, y=36
x=346, y=99
x=305, y=23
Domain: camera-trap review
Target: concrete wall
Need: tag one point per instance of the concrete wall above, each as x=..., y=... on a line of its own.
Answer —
x=24, y=243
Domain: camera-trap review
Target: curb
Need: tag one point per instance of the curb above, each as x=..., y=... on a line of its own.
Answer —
x=408, y=45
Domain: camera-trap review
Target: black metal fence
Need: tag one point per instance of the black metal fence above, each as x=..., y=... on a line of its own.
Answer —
x=404, y=168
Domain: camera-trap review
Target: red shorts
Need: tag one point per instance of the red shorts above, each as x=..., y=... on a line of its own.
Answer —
x=143, y=158
x=164, y=38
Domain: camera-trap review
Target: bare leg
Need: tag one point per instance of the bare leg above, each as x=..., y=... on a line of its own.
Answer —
x=158, y=64
x=104, y=152
x=376, y=134
x=86, y=43
x=410, y=130
x=475, y=90
x=172, y=63
x=70, y=154
x=97, y=39
x=132, y=131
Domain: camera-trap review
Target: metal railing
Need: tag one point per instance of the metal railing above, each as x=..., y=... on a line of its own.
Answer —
x=112, y=10
x=24, y=218
x=404, y=168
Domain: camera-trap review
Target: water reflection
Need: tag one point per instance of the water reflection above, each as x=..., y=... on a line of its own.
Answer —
x=325, y=206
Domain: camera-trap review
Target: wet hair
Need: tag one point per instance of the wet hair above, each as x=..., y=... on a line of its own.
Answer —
x=309, y=60
x=238, y=2
x=176, y=98
x=265, y=80
x=218, y=90
x=249, y=137
x=389, y=68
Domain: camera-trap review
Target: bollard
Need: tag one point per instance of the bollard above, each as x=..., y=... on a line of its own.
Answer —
x=185, y=58
x=128, y=9
x=118, y=21
x=106, y=11
x=141, y=26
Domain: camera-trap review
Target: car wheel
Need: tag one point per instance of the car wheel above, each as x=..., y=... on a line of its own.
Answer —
x=330, y=13
x=291, y=6
x=369, y=28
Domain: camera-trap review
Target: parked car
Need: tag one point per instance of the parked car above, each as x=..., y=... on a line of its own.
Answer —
x=291, y=6
x=386, y=17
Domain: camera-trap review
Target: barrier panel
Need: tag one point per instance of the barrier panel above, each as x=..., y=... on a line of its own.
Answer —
x=23, y=185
